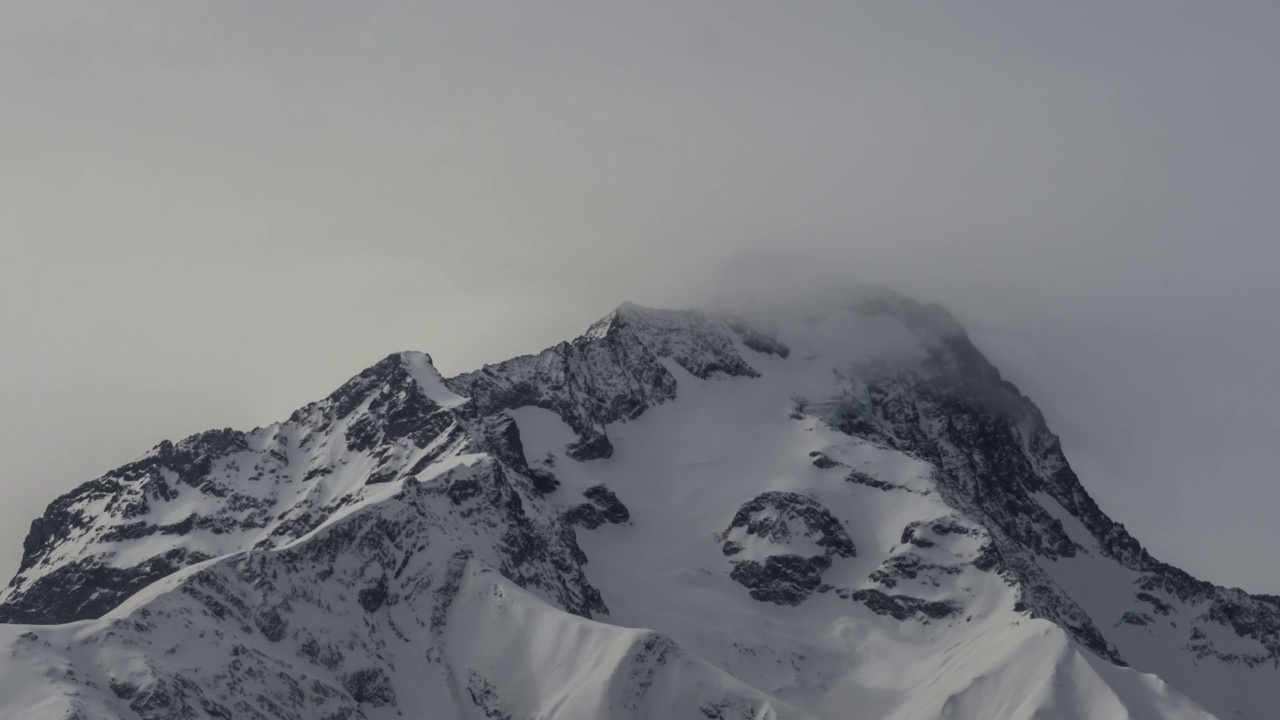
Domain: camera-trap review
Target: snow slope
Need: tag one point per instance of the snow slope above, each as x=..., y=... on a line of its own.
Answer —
x=839, y=511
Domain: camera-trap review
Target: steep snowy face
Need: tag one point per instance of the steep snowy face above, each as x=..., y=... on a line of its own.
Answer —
x=835, y=509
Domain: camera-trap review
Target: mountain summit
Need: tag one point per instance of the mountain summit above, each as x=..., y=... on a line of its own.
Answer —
x=832, y=509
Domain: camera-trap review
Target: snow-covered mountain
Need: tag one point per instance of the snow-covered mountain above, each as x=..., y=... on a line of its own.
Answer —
x=838, y=510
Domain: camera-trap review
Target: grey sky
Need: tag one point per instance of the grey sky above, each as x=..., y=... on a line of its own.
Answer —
x=212, y=213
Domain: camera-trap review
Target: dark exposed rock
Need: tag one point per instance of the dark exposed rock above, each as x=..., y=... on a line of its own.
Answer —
x=612, y=508
x=1133, y=618
x=271, y=623
x=777, y=517
x=62, y=519
x=918, y=533
x=314, y=473
x=123, y=690
x=501, y=437
x=592, y=447
x=909, y=567
x=911, y=535
x=543, y=481
x=861, y=478
x=398, y=409
x=463, y=489
x=1157, y=604
x=823, y=462
x=371, y=686
x=901, y=607
x=603, y=508
x=193, y=458
x=373, y=597
x=87, y=588
x=767, y=516
x=988, y=557
x=585, y=515
x=781, y=579
x=175, y=698
x=757, y=339
x=484, y=695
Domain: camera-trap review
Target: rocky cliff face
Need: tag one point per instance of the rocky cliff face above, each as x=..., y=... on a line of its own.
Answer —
x=797, y=513
x=997, y=462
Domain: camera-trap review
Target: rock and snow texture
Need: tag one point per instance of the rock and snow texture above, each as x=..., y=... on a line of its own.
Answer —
x=840, y=512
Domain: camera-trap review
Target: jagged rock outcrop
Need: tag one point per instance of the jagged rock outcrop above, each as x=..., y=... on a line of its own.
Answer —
x=776, y=519
x=603, y=507
x=613, y=372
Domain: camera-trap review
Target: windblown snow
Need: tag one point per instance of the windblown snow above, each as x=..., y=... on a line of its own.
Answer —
x=835, y=512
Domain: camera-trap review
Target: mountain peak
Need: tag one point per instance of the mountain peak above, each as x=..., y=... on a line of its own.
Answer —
x=782, y=510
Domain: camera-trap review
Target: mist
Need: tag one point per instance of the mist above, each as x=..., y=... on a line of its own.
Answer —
x=213, y=213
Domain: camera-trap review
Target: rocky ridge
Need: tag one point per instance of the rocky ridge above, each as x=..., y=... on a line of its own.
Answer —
x=321, y=558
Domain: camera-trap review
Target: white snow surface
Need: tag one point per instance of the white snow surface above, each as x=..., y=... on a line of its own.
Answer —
x=428, y=378
x=452, y=589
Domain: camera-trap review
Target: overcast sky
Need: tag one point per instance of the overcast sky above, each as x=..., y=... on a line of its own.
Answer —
x=212, y=213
